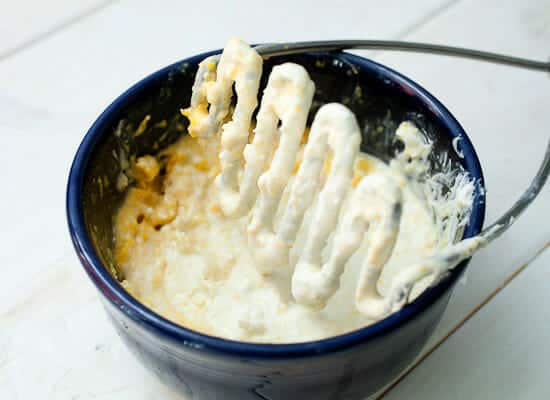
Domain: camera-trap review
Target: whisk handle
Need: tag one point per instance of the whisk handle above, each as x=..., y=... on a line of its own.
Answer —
x=277, y=49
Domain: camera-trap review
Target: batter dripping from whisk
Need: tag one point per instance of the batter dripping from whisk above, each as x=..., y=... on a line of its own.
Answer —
x=269, y=246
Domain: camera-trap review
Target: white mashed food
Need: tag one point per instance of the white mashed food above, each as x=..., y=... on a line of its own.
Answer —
x=184, y=259
x=205, y=237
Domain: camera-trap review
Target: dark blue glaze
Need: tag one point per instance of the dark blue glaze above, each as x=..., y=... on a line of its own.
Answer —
x=349, y=366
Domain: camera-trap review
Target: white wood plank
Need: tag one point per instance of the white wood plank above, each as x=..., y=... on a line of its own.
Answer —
x=504, y=111
x=49, y=96
x=502, y=353
x=57, y=343
x=24, y=21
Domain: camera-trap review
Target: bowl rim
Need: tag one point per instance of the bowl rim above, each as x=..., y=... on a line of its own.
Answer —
x=117, y=296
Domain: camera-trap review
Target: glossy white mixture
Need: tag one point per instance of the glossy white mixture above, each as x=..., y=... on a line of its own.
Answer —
x=310, y=243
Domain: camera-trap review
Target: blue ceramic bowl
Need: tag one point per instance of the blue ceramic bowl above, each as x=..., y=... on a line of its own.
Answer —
x=349, y=366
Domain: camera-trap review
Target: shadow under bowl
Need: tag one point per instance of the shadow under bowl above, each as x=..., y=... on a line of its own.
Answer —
x=349, y=366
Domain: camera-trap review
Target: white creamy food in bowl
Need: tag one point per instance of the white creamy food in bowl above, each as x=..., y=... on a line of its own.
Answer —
x=183, y=257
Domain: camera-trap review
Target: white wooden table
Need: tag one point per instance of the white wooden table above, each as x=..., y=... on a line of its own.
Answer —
x=62, y=62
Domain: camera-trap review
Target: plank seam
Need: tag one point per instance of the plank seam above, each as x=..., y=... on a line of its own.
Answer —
x=436, y=12
x=63, y=25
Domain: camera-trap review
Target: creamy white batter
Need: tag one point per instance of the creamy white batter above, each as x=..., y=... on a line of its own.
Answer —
x=299, y=244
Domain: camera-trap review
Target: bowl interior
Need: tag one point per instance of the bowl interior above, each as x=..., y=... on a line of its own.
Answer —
x=379, y=97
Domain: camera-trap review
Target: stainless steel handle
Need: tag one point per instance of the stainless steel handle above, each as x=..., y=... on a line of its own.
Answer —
x=277, y=49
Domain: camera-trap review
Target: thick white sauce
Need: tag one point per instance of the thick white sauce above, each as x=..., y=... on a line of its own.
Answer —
x=299, y=244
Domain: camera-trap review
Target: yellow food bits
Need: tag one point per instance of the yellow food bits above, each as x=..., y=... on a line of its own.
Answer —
x=161, y=124
x=363, y=166
x=196, y=116
x=305, y=136
x=327, y=165
x=122, y=252
x=216, y=208
x=146, y=169
x=128, y=287
x=158, y=274
x=175, y=159
x=202, y=165
x=165, y=212
x=296, y=167
x=320, y=63
x=142, y=126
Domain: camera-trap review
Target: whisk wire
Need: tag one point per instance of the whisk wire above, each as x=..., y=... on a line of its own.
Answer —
x=313, y=283
x=507, y=219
